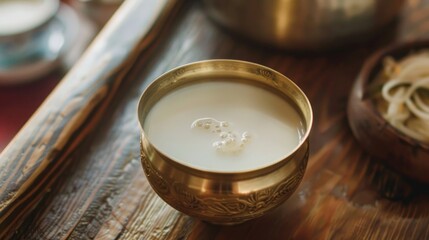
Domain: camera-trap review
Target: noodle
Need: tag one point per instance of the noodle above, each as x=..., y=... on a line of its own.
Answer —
x=406, y=93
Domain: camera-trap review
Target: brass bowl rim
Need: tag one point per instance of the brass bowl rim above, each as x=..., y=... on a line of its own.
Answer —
x=204, y=172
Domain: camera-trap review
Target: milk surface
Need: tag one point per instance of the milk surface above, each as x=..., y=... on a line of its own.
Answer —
x=264, y=127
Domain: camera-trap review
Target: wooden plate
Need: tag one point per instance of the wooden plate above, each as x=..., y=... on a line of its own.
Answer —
x=375, y=134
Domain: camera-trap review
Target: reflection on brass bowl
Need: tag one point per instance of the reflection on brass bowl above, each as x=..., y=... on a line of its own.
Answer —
x=224, y=197
x=304, y=24
x=399, y=151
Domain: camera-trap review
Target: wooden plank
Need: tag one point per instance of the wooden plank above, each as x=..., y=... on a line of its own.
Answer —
x=75, y=107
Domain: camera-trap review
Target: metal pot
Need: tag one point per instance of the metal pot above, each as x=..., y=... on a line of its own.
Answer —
x=303, y=24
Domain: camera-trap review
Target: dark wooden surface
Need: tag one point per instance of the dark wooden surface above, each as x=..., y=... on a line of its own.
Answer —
x=97, y=189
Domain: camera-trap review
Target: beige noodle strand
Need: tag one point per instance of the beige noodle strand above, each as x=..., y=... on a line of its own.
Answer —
x=406, y=93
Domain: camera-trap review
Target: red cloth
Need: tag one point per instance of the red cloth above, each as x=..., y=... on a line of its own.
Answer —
x=18, y=103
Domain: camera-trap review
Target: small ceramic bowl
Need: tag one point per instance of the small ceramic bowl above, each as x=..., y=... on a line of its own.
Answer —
x=399, y=151
x=30, y=47
x=19, y=41
x=224, y=197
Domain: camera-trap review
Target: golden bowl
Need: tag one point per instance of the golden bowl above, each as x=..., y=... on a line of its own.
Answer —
x=383, y=141
x=219, y=197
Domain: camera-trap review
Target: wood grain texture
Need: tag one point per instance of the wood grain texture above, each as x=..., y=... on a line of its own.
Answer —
x=75, y=107
x=102, y=193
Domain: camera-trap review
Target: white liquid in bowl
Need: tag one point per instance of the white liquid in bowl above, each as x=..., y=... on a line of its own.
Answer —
x=265, y=128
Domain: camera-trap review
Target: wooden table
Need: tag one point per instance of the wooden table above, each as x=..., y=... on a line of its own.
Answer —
x=73, y=173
